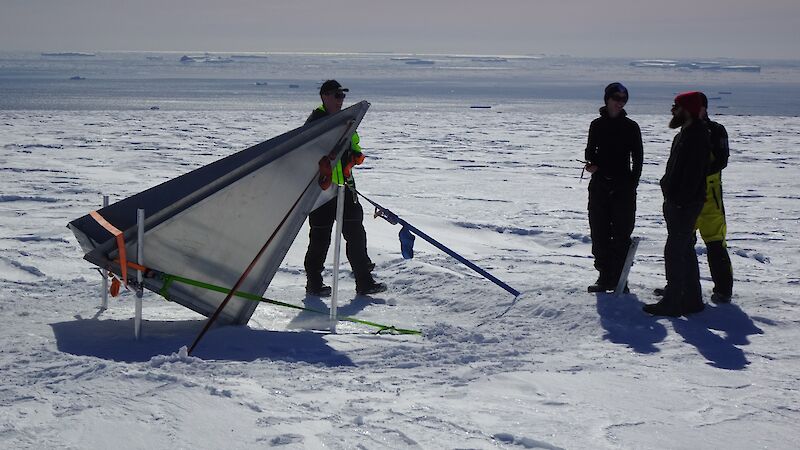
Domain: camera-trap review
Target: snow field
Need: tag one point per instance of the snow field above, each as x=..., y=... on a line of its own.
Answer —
x=560, y=369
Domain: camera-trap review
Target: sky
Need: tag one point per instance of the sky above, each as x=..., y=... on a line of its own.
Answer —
x=764, y=29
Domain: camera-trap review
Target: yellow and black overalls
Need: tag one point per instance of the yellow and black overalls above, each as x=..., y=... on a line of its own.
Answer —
x=711, y=222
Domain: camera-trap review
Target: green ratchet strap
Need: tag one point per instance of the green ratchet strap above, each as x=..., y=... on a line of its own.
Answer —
x=169, y=279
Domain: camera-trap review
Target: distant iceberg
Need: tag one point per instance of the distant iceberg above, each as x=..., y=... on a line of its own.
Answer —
x=413, y=60
x=69, y=54
x=421, y=62
x=493, y=58
x=654, y=63
x=701, y=65
x=693, y=65
x=205, y=59
x=217, y=60
x=250, y=57
x=741, y=68
x=489, y=59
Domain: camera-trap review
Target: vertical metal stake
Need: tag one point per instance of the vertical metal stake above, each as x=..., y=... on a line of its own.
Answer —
x=137, y=321
x=104, y=302
x=337, y=255
x=626, y=268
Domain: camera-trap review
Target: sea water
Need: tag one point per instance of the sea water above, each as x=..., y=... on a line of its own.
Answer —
x=275, y=82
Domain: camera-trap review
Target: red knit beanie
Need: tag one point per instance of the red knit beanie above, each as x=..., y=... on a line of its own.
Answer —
x=691, y=102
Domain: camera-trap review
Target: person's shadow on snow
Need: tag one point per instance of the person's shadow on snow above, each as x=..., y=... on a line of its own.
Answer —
x=320, y=320
x=625, y=323
x=720, y=351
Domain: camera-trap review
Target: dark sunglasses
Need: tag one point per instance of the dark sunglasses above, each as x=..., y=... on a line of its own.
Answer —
x=337, y=95
x=675, y=107
x=620, y=98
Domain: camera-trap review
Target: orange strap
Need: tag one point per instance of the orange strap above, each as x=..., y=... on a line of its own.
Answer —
x=123, y=260
x=134, y=266
x=325, y=173
x=115, y=285
x=138, y=267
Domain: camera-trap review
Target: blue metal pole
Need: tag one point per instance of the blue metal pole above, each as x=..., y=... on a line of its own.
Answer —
x=393, y=219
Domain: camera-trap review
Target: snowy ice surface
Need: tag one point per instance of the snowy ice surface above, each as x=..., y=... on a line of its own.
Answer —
x=560, y=369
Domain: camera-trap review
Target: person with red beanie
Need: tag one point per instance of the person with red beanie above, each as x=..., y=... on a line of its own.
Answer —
x=711, y=223
x=684, y=188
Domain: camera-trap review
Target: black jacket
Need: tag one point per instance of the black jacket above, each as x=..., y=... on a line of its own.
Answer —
x=613, y=144
x=684, y=182
x=719, y=147
x=317, y=114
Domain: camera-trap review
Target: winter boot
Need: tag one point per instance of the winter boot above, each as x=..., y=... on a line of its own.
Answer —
x=374, y=288
x=718, y=298
x=693, y=308
x=603, y=284
x=318, y=288
x=369, y=286
x=663, y=308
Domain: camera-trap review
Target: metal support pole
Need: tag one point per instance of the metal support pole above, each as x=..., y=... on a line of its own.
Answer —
x=337, y=255
x=626, y=268
x=104, y=302
x=137, y=321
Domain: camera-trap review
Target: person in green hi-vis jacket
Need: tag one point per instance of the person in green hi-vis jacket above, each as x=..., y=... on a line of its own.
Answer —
x=321, y=219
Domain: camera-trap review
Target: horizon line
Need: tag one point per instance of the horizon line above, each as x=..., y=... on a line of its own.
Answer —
x=406, y=53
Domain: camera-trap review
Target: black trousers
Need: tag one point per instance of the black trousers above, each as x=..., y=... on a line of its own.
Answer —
x=612, y=216
x=719, y=262
x=321, y=221
x=680, y=259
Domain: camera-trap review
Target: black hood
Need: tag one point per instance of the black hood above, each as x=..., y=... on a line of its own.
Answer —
x=604, y=112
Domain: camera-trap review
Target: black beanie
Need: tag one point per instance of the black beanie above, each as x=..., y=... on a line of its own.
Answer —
x=614, y=88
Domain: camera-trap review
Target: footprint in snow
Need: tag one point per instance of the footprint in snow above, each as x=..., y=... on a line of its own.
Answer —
x=285, y=439
x=524, y=442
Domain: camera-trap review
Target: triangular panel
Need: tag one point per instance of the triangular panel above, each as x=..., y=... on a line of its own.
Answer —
x=209, y=224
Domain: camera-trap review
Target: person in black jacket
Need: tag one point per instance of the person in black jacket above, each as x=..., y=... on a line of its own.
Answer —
x=711, y=223
x=615, y=141
x=684, y=188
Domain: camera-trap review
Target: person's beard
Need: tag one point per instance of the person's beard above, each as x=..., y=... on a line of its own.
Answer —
x=677, y=121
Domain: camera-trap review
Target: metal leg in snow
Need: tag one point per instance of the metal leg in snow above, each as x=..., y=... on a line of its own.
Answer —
x=626, y=269
x=337, y=255
x=104, y=272
x=137, y=321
